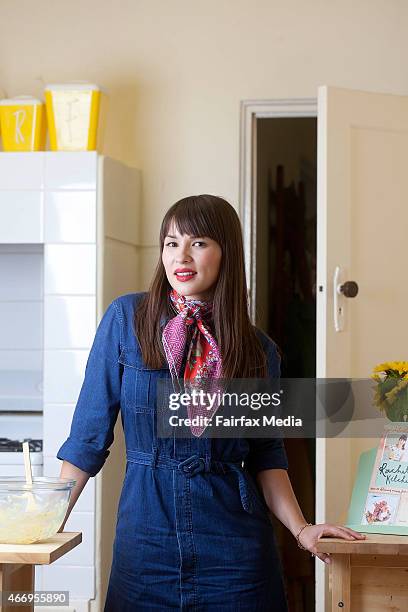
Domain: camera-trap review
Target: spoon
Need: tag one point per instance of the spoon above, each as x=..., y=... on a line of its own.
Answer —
x=31, y=504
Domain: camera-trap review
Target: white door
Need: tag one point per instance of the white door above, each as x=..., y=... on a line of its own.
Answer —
x=363, y=229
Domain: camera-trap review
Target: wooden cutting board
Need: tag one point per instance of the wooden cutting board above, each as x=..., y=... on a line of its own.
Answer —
x=40, y=553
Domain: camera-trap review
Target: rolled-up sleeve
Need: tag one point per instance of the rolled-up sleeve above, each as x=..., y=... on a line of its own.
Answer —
x=98, y=403
x=267, y=453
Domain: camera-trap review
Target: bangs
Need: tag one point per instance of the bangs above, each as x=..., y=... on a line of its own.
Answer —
x=194, y=217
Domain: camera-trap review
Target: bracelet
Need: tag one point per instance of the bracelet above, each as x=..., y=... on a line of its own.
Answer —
x=297, y=536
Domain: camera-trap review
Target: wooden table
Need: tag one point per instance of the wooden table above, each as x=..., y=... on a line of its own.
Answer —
x=368, y=575
x=17, y=563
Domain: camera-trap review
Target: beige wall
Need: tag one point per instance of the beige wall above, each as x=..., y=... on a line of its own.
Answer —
x=177, y=71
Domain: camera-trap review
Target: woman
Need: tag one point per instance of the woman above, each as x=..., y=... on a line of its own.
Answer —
x=193, y=531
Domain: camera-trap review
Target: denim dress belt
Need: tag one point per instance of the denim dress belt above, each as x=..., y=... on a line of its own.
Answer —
x=195, y=465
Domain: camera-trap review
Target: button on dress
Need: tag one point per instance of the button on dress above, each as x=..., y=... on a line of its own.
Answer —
x=193, y=531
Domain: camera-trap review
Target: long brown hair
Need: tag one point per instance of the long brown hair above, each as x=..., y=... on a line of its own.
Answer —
x=241, y=351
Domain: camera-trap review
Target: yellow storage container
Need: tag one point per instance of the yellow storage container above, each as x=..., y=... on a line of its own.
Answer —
x=75, y=113
x=23, y=124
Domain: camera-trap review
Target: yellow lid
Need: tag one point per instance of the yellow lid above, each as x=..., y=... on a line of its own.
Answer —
x=76, y=85
x=20, y=100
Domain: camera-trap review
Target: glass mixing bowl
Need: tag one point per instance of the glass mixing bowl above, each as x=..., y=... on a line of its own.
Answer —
x=30, y=513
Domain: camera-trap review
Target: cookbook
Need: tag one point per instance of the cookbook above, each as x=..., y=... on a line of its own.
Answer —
x=387, y=498
x=380, y=496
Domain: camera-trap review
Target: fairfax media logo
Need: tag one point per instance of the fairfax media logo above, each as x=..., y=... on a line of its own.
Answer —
x=242, y=421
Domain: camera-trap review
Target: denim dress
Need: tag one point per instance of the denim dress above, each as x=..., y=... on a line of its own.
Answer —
x=193, y=530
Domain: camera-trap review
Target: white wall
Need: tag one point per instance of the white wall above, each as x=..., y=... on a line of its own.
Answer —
x=177, y=71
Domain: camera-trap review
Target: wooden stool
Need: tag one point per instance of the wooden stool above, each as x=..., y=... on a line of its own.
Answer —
x=368, y=575
x=17, y=563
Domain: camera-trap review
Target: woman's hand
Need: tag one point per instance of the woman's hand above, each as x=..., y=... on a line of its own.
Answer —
x=310, y=535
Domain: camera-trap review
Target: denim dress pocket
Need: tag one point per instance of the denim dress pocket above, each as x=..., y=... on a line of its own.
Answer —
x=139, y=381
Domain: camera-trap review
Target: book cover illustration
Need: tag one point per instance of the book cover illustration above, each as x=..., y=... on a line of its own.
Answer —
x=387, y=498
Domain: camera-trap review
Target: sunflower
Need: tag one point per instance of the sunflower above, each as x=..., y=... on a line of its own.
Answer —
x=391, y=392
x=392, y=369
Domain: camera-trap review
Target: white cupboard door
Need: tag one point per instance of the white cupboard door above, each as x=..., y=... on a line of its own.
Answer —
x=362, y=230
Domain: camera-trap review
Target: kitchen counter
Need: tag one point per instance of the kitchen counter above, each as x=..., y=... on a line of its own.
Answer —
x=17, y=563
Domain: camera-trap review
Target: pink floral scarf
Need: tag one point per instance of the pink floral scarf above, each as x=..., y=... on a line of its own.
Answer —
x=203, y=359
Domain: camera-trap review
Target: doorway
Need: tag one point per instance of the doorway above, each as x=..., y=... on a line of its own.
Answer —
x=280, y=214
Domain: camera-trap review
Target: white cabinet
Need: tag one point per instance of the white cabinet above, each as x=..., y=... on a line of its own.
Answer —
x=69, y=238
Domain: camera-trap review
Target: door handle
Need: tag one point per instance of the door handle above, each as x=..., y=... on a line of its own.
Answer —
x=348, y=289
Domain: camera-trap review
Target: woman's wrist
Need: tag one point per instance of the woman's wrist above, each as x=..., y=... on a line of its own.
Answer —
x=298, y=534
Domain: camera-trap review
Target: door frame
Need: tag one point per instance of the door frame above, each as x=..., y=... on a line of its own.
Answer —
x=251, y=111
